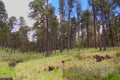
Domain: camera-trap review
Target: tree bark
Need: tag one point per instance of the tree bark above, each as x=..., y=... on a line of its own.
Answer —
x=87, y=35
x=103, y=25
x=111, y=32
x=94, y=20
x=69, y=28
x=47, y=35
x=82, y=35
x=61, y=34
x=99, y=36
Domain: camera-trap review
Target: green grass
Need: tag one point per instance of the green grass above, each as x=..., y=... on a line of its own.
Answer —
x=77, y=66
x=6, y=71
x=10, y=56
x=108, y=77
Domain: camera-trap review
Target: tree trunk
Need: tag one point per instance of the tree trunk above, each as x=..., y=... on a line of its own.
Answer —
x=69, y=28
x=103, y=25
x=71, y=35
x=94, y=20
x=107, y=31
x=61, y=34
x=48, y=41
x=111, y=32
x=78, y=23
x=107, y=36
x=99, y=37
x=47, y=35
x=87, y=35
x=82, y=43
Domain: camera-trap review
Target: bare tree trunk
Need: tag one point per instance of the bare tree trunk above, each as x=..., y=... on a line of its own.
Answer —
x=116, y=36
x=48, y=41
x=99, y=37
x=107, y=31
x=100, y=41
x=103, y=25
x=71, y=39
x=82, y=43
x=61, y=34
x=51, y=42
x=87, y=35
x=69, y=28
x=47, y=35
x=94, y=14
x=107, y=36
x=78, y=6
x=111, y=32
x=79, y=44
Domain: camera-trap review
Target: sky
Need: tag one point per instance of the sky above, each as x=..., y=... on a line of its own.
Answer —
x=54, y=3
x=20, y=8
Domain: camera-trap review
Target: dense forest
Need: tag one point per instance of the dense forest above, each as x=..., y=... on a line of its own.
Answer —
x=96, y=27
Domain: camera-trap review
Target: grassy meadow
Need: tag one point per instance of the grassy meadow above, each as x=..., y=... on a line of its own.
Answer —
x=72, y=65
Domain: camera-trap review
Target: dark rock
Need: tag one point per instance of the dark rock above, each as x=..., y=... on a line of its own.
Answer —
x=51, y=68
x=6, y=79
x=107, y=57
x=117, y=54
x=66, y=79
x=18, y=61
x=98, y=58
x=63, y=61
x=12, y=64
x=63, y=65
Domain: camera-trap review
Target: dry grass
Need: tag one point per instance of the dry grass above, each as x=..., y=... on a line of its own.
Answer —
x=75, y=68
x=78, y=66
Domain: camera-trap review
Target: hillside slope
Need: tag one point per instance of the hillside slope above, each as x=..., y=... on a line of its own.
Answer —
x=88, y=64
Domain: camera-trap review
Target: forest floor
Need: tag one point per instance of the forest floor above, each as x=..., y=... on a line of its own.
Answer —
x=87, y=64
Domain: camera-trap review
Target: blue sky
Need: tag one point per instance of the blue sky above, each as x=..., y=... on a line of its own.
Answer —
x=55, y=4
